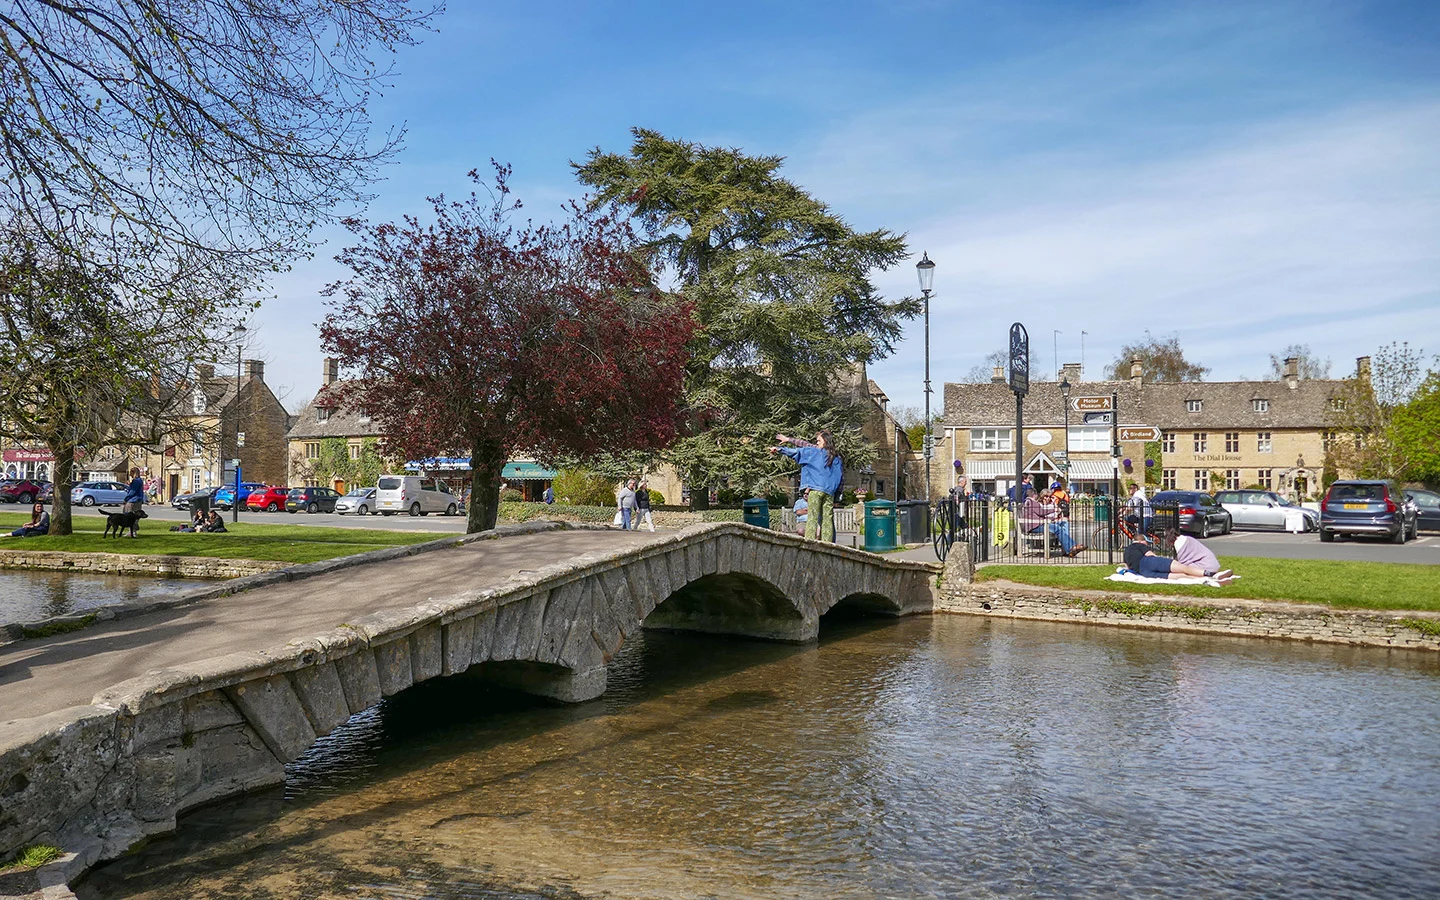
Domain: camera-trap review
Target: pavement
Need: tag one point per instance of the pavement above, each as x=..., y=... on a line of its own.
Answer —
x=49, y=674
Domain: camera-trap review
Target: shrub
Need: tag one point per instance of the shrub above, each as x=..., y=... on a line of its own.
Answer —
x=582, y=487
x=524, y=512
x=511, y=495
x=656, y=498
x=728, y=497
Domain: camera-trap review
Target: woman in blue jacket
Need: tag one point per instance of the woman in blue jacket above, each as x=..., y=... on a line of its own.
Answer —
x=134, y=500
x=820, y=472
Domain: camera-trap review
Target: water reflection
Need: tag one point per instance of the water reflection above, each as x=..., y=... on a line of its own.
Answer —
x=26, y=596
x=934, y=757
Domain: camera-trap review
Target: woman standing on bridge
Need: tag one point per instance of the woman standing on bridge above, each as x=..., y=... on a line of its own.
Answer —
x=821, y=469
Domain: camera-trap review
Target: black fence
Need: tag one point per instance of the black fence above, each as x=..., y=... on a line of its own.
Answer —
x=1084, y=531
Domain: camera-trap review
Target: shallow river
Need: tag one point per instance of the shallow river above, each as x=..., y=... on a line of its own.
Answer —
x=26, y=596
x=939, y=756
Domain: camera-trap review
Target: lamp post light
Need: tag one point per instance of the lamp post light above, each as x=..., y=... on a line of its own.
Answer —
x=926, y=270
x=1065, y=401
x=238, y=338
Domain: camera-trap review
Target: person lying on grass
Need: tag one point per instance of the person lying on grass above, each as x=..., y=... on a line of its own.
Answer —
x=1190, y=551
x=1141, y=559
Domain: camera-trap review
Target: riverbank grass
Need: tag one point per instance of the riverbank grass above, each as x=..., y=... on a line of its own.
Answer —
x=242, y=540
x=1358, y=585
x=32, y=857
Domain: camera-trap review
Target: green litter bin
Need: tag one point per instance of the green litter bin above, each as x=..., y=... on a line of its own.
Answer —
x=1102, y=509
x=879, y=526
x=757, y=512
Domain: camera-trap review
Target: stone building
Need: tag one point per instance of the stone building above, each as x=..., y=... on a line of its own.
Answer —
x=318, y=423
x=1213, y=435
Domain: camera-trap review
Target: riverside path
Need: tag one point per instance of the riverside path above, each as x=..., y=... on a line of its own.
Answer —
x=108, y=732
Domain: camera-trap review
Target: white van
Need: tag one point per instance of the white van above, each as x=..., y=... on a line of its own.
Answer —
x=413, y=494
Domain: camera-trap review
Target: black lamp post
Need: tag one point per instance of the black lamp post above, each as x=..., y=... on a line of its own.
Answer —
x=238, y=336
x=926, y=270
x=1065, y=399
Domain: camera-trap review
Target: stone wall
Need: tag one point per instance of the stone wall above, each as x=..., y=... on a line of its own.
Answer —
x=135, y=564
x=96, y=779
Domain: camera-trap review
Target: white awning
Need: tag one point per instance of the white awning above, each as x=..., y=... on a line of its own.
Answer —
x=1090, y=469
x=990, y=469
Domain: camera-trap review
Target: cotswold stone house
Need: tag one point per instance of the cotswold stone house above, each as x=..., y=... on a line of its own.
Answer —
x=314, y=425
x=1214, y=435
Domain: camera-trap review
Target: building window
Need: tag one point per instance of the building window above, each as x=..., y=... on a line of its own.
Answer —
x=1201, y=440
x=982, y=439
x=363, y=416
x=1194, y=405
x=1327, y=441
x=1265, y=478
x=1359, y=442
x=1261, y=405
x=1167, y=479
x=1232, y=442
x=197, y=443
x=1262, y=442
x=1089, y=437
x=1167, y=442
x=312, y=450
x=1202, y=479
x=1337, y=403
x=194, y=479
x=322, y=414
x=354, y=451
x=1232, y=479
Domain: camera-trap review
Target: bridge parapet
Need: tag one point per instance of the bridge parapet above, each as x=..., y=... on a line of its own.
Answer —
x=98, y=778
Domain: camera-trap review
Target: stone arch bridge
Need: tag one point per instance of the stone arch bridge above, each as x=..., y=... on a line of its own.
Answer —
x=96, y=778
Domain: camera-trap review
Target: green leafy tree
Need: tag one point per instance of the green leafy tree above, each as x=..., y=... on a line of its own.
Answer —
x=781, y=291
x=1417, y=431
x=1161, y=358
x=583, y=487
x=1382, y=417
x=1308, y=365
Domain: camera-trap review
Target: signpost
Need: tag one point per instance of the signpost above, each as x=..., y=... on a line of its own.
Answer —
x=1139, y=433
x=1093, y=404
x=1020, y=384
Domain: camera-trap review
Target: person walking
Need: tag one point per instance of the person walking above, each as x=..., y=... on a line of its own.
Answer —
x=821, y=471
x=642, y=506
x=134, y=500
x=626, y=501
x=549, y=495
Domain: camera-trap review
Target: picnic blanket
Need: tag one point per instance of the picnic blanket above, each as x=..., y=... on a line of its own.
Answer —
x=1132, y=578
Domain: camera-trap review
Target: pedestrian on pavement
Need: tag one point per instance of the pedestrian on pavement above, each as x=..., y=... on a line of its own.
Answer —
x=1026, y=488
x=821, y=471
x=134, y=500
x=549, y=495
x=1138, y=509
x=626, y=501
x=642, y=506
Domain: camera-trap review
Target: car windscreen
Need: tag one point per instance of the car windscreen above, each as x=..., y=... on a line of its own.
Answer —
x=297, y=492
x=389, y=484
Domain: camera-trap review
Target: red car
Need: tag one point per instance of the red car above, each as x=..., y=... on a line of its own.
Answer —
x=22, y=490
x=270, y=499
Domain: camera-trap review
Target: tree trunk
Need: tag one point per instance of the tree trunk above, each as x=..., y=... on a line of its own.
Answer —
x=699, y=495
x=62, y=476
x=486, y=466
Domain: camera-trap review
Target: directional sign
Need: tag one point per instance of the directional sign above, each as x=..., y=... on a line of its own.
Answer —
x=1139, y=433
x=1091, y=404
x=1100, y=418
x=1019, y=359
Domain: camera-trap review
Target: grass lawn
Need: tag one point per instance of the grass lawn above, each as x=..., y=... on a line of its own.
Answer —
x=243, y=540
x=1366, y=585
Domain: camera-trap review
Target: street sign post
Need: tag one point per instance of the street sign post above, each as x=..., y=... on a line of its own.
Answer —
x=1092, y=404
x=1020, y=384
x=1099, y=418
x=1139, y=433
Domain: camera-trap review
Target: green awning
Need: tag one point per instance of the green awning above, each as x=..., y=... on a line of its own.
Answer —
x=526, y=471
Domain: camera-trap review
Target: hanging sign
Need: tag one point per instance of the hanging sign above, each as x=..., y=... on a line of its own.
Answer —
x=1019, y=359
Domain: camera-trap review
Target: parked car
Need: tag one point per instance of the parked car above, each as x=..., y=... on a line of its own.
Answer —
x=1197, y=513
x=47, y=492
x=1427, y=508
x=182, y=501
x=1372, y=507
x=270, y=498
x=20, y=490
x=1264, y=509
x=98, y=493
x=225, y=497
x=311, y=499
x=360, y=501
x=415, y=495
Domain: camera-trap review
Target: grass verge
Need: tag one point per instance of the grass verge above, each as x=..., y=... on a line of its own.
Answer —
x=33, y=857
x=243, y=540
x=1359, y=585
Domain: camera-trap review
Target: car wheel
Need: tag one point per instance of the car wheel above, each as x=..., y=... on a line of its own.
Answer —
x=1399, y=536
x=87, y=501
x=1229, y=524
x=313, y=508
x=1204, y=528
x=1326, y=536
x=25, y=499
x=273, y=507
x=362, y=511
x=414, y=510
x=450, y=510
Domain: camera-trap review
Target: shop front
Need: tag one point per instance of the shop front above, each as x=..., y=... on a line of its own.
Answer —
x=527, y=476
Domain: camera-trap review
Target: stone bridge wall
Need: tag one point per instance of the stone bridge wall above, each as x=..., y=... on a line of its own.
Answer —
x=96, y=779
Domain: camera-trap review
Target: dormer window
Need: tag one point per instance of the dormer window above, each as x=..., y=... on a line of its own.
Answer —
x=322, y=414
x=1260, y=405
x=1194, y=405
x=198, y=402
x=1337, y=403
x=363, y=416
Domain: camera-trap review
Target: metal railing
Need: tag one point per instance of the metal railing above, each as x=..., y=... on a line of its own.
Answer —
x=1083, y=531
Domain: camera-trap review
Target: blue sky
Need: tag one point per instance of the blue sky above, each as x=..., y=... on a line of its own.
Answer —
x=1245, y=175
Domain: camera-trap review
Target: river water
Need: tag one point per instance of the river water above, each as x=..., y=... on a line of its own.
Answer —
x=942, y=756
x=27, y=596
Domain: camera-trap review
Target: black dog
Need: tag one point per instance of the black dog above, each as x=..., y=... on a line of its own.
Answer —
x=122, y=522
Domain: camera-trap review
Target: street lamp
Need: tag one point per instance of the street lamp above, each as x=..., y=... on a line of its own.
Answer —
x=926, y=270
x=237, y=337
x=1065, y=401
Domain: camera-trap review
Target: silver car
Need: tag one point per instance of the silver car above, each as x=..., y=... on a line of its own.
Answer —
x=1265, y=510
x=360, y=501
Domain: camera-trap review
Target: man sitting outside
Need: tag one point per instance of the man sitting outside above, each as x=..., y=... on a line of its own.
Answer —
x=214, y=524
x=1041, y=512
x=1141, y=559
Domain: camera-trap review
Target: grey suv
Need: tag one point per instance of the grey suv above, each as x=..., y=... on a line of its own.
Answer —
x=1372, y=507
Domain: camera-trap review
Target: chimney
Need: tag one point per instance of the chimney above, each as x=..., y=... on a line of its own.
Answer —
x=331, y=373
x=1362, y=367
x=1071, y=372
x=1292, y=372
x=1137, y=371
x=997, y=375
x=255, y=369
x=204, y=371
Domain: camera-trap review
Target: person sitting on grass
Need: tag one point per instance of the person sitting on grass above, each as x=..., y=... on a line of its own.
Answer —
x=1141, y=559
x=38, y=525
x=215, y=524
x=1041, y=512
x=1190, y=551
x=197, y=521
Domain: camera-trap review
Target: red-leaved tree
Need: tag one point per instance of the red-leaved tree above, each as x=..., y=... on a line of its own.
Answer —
x=471, y=336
